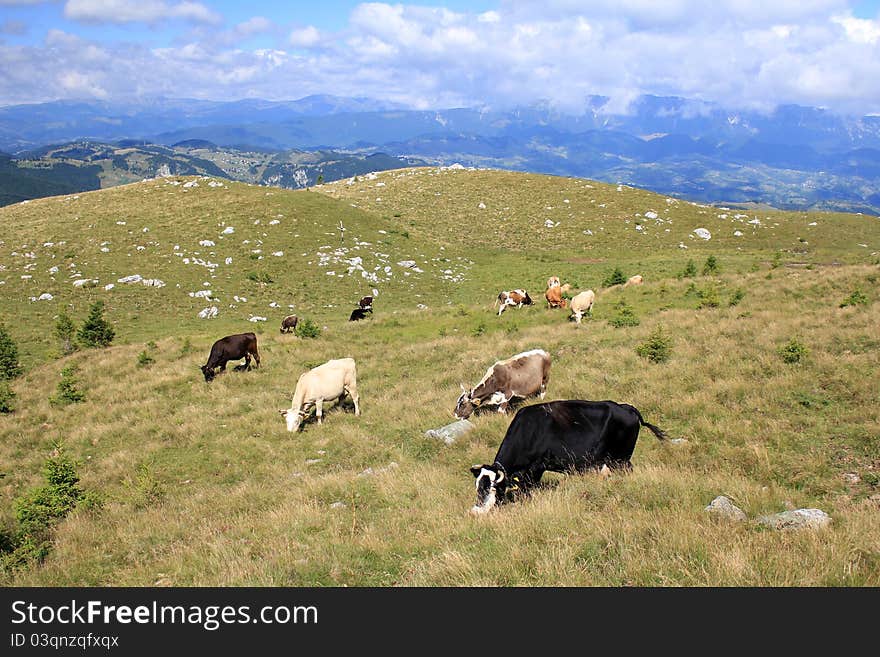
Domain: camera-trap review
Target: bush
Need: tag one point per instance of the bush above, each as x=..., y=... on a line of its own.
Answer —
x=658, y=347
x=262, y=277
x=39, y=510
x=793, y=352
x=690, y=270
x=144, y=359
x=857, y=298
x=625, y=315
x=96, y=331
x=7, y=398
x=777, y=260
x=67, y=392
x=616, y=277
x=65, y=331
x=306, y=328
x=479, y=329
x=709, y=297
x=9, y=365
x=711, y=266
x=737, y=296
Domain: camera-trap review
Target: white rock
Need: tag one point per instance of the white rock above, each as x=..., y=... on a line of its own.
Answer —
x=702, y=233
x=133, y=278
x=206, y=243
x=797, y=519
x=45, y=297
x=722, y=507
x=208, y=313
x=256, y=319
x=85, y=282
x=109, y=286
x=228, y=230
x=737, y=233
x=650, y=214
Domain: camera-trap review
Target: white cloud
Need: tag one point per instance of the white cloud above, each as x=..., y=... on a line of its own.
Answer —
x=306, y=37
x=741, y=53
x=137, y=11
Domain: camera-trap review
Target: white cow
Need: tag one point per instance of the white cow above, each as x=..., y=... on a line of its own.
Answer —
x=634, y=280
x=582, y=303
x=327, y=382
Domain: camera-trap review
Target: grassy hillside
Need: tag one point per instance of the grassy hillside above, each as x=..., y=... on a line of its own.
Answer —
x=202, y=484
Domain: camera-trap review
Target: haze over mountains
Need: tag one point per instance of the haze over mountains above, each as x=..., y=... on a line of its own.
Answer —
x=794, y=158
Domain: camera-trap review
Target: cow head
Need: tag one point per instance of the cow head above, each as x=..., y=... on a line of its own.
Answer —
x=466, y=404
x=491, y=482
x=208, y=372
x=293, y=418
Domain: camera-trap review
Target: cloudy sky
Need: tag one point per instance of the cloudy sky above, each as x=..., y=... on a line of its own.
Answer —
x=446, y=53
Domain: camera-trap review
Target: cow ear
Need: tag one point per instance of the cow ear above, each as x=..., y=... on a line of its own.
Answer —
x=475, y=470
x=463, y=389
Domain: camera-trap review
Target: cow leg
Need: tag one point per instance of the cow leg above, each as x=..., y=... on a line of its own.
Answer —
x=247, y=362
x=256, y=358
x=319, y=409
x=354, y=397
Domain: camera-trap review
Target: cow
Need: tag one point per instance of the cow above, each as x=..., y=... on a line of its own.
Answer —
x=521, y=376
x=289, y=323
x=553, y=281
x=582, y=303
x=518, y=298
x=327, y=382
x=232, y=347
x=366, y=303
x=634, y=280
x=554, y=297
x=357, y=314
x=570, y=435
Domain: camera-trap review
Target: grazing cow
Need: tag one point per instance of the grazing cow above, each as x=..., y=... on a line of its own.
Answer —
x=553, y=281
x=289, y=323
x=366, y=303
x=561, y=436
x=358, y=314
x=327, y=382
x=554, y=297
x=582, y=303
x=634, y=280
x=232, y=347
x=523, y=375
x=518, y=298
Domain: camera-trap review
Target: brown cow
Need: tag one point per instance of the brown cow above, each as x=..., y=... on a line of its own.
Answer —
x=289, y=323
x=554, y=297
x=232, y=347
x=523, y=375
x=518, y=298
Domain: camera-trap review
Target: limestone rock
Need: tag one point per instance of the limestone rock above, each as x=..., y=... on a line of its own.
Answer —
x=797, y=519
x=722, y=507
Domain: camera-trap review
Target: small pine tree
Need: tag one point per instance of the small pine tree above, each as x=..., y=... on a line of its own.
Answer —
x=67, y=392
x=690, y=270
x=65, y=331
x=306, y=328
x=857, y=298
x=625, y=315
x=616, y=277
x=96, y=331
x=7, y=397
x=793, y=352
x=9, y=365
x=711, y=266
x=658, y=346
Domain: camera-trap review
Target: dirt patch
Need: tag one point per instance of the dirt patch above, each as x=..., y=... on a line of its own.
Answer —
x=586, y=261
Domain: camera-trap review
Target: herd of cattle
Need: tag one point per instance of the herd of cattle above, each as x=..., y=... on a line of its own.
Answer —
x=559, y=436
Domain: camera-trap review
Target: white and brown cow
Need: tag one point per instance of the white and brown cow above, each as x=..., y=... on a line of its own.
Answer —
x=517, y=298
x=634, y=280
x=519, y=376
x=327, y=382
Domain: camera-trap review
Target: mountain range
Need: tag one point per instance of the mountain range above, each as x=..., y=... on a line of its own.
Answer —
x=793, y=157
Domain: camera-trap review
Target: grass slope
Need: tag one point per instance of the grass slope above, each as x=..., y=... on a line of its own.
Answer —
x=202, y=484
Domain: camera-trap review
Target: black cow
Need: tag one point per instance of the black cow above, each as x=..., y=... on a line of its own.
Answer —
x=358, y=314
x=232, y=347
x=560, y=436
x=366, y=303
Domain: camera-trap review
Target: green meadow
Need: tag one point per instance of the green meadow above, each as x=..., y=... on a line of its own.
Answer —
x=188, y=483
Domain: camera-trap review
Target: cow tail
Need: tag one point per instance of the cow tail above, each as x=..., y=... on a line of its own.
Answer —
x=657, y=431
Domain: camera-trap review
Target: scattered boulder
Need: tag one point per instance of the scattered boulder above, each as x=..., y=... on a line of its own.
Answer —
x=208, y=313
x=722, y=507
x=450, y=432
x=797, y=519
x=370, y=471
x=702, y=233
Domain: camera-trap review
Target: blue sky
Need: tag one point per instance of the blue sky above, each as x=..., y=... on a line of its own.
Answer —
x=431, y=54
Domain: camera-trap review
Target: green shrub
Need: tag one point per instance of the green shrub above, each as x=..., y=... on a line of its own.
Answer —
x=67, y=392
x=186, y=347
x=306, y=328
x=709, y=297
x=7, y=398
x=260, y=277
x=9, y=365
x=615, y=277
x=625, y=316
x=777, y=260
x=65, y=331
x=658, y=347
x=857, y=298
x=479, y=329
x=737, y=296
x=690, y=270
x=711, y=266
x=96, y=331
x=145, y=489
x=39, y=510
x=144, y=359
x=793, y=352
